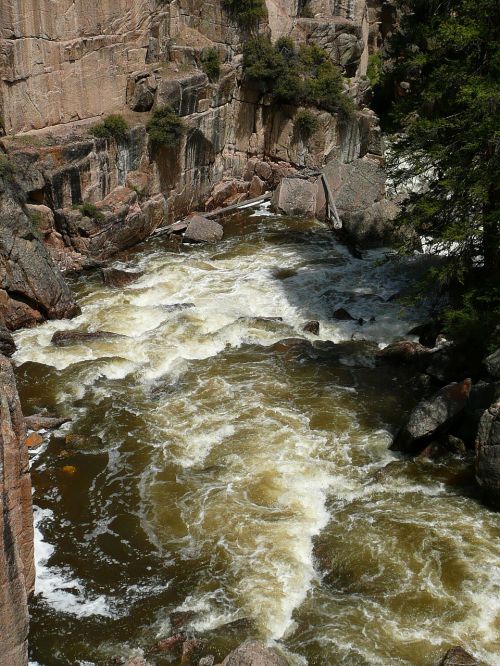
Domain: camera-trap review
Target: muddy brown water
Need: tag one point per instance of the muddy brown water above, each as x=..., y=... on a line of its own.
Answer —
x=215, y=481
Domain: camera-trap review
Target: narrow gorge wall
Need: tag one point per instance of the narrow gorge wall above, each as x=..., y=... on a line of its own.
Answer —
x=17, y=568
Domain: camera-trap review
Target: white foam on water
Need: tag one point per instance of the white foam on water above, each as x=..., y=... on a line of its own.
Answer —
x=61, y=592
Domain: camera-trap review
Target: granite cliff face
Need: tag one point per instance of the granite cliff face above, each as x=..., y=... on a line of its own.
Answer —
x=17, y=568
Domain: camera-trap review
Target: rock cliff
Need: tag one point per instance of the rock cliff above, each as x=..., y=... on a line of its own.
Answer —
x=17, y=569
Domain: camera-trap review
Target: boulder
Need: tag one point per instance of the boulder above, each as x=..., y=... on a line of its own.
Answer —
x=312, y=327
x=488, y=455
x=295, y=197
x=66, y=338
x=253, y=653
x=492, y=363
x=202, y=230
x=457, y=656
x=209, y=660
x=7, y=344
x=405, y=352
x=257, y=187
x=41, y=422
x=114, y=277
x=342, y=315
x=432, y=417
x=33, y=440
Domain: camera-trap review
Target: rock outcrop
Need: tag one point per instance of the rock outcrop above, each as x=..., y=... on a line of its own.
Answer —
x=17, y=568
x=31, y=287
x=432, y=417
x=488, y=455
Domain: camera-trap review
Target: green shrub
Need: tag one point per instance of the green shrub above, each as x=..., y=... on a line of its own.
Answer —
x=247, y=13
x=374, y=70
x=326, y=91
x=262, y=63
x=113, y=127
x=308, y=77
x=6, y=167
x=89, y=210
x=306, y=123
x=165, y=127
x=210, y=63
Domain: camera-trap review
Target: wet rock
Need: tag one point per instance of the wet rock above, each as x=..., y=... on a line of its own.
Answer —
x=447, y=446
x=342, y=315
x=296, y=197
x=17, y=567
x=253, y=653
x=41, y=422
x=427, y=332
x=312, y=327
x=492, y=363
x=457, y=656
x=170, y=644
x=7, y=344
x=260, y=320
x=179, y=619
x=33, y=440
x=488, y=455
x=175, y=307
x=114, y=277
x=432, y=417
x=202, y=230
x=405, y=352
x=66, y=338
x=192, y=650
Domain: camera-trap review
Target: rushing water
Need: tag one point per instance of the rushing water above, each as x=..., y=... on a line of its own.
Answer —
x=213, y=477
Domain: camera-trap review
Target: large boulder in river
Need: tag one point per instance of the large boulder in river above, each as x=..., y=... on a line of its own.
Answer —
x=457, y=656
x=295, y=197
x=203, y=230
x=432, y=417
x=114, y=277
x=253, y=653
x=405, y=352
x=66, y=338
x=488, y=455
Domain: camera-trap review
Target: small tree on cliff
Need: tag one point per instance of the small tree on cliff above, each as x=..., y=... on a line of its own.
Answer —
x=449, y=122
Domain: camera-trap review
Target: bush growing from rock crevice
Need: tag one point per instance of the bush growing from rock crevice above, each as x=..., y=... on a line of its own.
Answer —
x=113, y=127
x=247, y=13
x=306, y=123
x=210, y=63
x=307, y=76
x=6, y=167
x=165, y=127
x=90, y=210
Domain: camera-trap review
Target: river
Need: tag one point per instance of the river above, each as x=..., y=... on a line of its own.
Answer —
x=216, y=478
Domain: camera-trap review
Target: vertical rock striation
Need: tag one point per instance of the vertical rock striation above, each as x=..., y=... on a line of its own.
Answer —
x=17, y=568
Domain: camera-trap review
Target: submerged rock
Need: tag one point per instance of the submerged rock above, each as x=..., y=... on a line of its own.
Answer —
x=66, y=338
x=342, y=315
x=432, y=417
x=114, y=277
x=253, y=653
x=457, y=656
x=488, y=455
x=202, y=230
